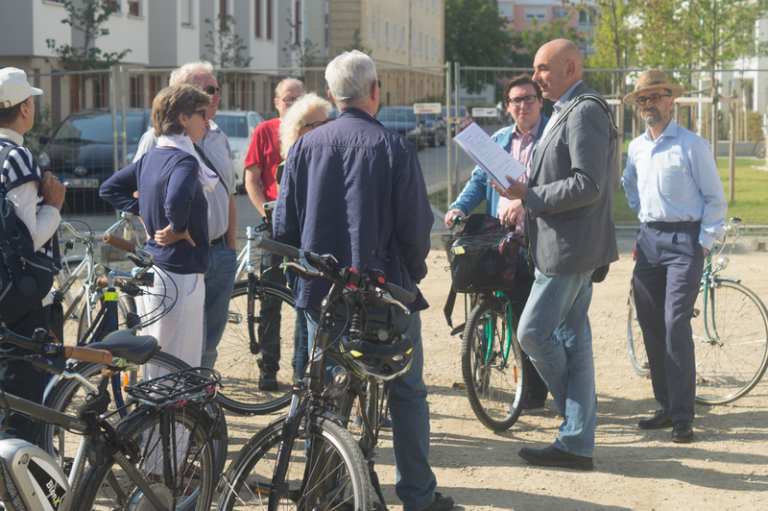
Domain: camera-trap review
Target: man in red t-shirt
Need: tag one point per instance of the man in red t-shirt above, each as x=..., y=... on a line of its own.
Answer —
x=260, y=163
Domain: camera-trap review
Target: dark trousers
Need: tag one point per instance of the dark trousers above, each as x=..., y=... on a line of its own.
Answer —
x=666, y=282
x=536, y=389
x=20, y=378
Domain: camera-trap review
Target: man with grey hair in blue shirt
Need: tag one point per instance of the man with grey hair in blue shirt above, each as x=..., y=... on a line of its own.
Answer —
x=671, y=181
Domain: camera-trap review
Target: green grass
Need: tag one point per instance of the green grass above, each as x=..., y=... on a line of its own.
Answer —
x=750, y=202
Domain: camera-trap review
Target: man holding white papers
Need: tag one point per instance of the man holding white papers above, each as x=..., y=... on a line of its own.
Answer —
x=523, y=101
x=569, y=229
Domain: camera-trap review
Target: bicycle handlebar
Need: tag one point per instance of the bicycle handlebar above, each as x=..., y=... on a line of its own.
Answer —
x=87, y=354
x=397, y=292
x=53, y=350
x=119, y=243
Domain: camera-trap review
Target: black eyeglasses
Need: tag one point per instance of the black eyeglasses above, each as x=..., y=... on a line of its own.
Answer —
x=201, y=112
x=641, y=100
x=211, y=89
x=317, y=124
x=289, y=100
x=529, y=100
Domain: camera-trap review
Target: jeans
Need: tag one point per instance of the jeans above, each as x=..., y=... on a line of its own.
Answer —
x=666, y=283
x=415, y=485
x=300, y=348
x=20, y=378
x=269, y=326
x=554, y=331
x=219, y=280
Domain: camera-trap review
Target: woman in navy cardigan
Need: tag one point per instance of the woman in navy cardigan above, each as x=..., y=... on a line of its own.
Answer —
x=171, y=182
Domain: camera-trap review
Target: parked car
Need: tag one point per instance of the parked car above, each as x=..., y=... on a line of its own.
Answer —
x=464, y=119
x=81, y=153
x=238, y=125
x=435, y=128
x=402, y=119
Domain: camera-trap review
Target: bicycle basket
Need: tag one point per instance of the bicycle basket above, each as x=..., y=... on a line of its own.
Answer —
x=181, y=387
x=483, y=257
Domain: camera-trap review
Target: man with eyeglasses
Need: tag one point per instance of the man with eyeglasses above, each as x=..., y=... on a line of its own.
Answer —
x=261, y=163
x=671, y=181
x=215, y=152
x=523, y=100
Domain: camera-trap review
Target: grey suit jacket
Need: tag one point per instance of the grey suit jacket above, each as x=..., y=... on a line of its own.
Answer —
x=569, y=202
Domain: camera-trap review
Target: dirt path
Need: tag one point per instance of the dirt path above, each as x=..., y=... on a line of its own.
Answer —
x=725, y=468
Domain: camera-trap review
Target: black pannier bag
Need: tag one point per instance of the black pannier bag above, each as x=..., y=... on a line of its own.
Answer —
x=483, y=256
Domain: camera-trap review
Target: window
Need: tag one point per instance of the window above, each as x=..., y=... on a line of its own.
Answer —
x=269, y=19
x=368, y=29
x=421, y=48
x=222, y=15
x=402, y=37
x=297, y=22
x=112, y=3
x=386, y=33
x=535, y=13
x=133, y=8
x=396, y=36
x=378, y=32
x=505, y=10
x=559, y=12
x=187, y=11
x=257, y=19
x=136, y=90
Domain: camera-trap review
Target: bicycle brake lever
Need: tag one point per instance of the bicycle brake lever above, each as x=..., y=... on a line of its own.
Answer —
x=385, y=297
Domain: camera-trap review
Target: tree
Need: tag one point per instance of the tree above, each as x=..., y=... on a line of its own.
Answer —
x=357, y=44
x=529, y=41
x=303, y=53
x=224, y=46
x=476, y=35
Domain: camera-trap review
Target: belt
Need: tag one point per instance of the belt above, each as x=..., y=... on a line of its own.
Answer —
x=218, y=240
x=673, y=226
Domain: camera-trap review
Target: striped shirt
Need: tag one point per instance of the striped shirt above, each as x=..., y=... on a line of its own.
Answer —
x=19, y=168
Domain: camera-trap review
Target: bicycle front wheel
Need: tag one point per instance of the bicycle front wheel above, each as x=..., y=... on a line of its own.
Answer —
x=759, y=149
x=493, y=365
x=730, y=341
x=237, y=362
x=637, y=355
x=324, y=469
x=188, y=487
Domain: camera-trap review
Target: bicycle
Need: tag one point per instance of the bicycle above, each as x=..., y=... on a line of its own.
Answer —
x=493, y=365
x=63, y=395
x=635, y=344
x=89, y=271
x=239, y=348
x=730, y=328
x=132, y=465
x=759, y=149
x=307, y=458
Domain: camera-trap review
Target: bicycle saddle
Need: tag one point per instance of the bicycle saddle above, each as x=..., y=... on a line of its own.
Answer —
x=126, y=344
x=384, y=361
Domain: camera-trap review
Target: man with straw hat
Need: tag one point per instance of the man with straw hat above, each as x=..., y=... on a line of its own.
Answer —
x=671, y=181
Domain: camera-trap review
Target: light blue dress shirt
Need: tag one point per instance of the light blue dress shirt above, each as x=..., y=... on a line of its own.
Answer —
x=675, y=179
x=556, y=109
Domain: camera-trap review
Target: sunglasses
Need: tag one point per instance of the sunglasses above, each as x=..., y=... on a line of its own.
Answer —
x=317, y=124
x=201, y=112
x=211, y=89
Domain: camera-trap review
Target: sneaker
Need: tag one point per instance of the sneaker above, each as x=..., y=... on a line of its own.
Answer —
x=441, y=503
x=267, y=378
x=531, y=407
x=386, y=423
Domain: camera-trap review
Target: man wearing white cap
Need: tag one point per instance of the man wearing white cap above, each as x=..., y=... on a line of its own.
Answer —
x=37, y=200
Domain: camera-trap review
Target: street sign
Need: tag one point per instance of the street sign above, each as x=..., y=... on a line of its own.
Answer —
x=427, y=108
x=483, y=112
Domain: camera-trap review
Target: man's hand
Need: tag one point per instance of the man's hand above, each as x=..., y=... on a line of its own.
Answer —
x=516, y=189
x=53, y=191
x=253, y=187
x=512, y=214
x=168, y=237
x=705, y=252
x=449, y=216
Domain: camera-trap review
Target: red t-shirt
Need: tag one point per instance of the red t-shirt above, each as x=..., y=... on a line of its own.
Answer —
x=264, y=152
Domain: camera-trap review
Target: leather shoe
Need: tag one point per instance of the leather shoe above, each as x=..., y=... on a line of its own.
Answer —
x=554, y=457
x=660, y=419
x=682, y=432
x=441, y=503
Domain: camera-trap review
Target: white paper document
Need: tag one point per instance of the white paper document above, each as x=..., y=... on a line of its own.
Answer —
x=492, y=158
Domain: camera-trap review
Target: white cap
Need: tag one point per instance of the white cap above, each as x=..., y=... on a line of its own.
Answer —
x=14, y=87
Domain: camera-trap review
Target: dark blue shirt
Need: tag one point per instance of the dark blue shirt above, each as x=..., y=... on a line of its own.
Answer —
x=354, y=189
x=169, y=193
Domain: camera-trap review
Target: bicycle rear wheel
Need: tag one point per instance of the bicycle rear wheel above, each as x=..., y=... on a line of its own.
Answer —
x=323, y=469
x=637, y=355
x=730, y=342
x=67, y=396
x=238, y=364
x=759, y=149
x=493, y=365
x=108, y=486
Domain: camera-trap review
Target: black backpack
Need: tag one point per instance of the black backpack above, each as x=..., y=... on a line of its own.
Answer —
x=26, y=276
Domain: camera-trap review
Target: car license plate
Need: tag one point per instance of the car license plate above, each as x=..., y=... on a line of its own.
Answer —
x=83, y=183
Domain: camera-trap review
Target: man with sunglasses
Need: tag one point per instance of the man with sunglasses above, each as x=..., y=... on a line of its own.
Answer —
x=215, y=151
x=261, y=163
x=523, y=100
x=671, y=181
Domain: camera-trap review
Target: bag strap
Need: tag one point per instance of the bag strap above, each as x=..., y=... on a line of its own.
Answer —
x=6, y=209
x=210, y=166
x=592, y=97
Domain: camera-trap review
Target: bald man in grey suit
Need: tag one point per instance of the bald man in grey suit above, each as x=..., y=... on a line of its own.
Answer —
x=569, y=211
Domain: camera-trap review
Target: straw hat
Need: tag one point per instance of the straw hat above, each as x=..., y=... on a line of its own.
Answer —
x=14, y=87
x=653, y=79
